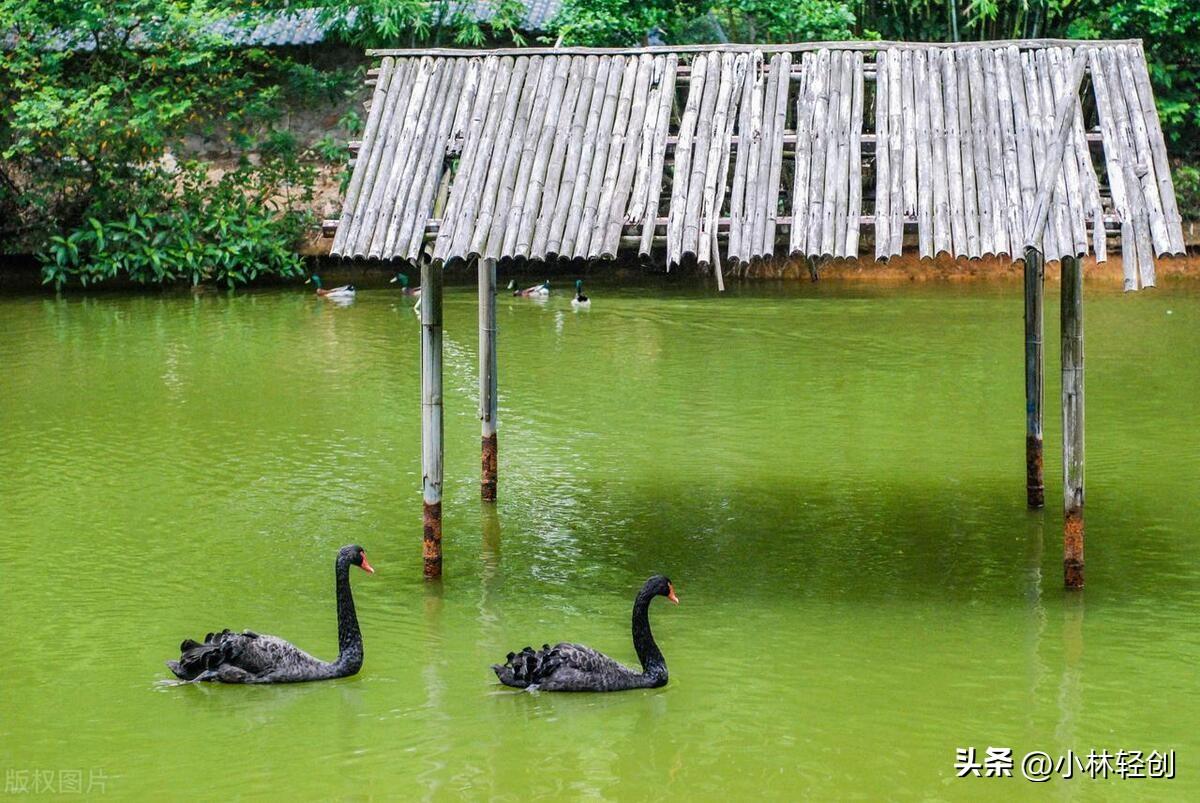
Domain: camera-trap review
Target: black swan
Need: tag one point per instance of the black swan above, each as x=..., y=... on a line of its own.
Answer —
x=248, y=657
x=573, y=667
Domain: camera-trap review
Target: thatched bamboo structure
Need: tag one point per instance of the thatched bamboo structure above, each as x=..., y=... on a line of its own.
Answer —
x=974, y=149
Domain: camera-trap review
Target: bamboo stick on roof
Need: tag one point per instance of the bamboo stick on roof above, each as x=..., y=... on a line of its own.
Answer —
x=573, y=162
x=654, y=179
x=610, y=223
x=404, y=199
x=558, y=156
x=854, y=201
x=775, y=170
x=587, y=156
x=370, y=132
x=826, y=77
x=491, y=182
x=529, y=154
x=378, y=161
x=683, y=160
x=591, y=200
x=483, y=96
x=536, y=183
x=883, y=214
x=805, y=106
x=415, y=210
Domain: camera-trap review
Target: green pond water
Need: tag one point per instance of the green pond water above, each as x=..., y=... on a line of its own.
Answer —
x=832, y=475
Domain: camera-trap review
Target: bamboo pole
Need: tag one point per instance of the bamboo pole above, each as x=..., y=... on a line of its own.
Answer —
x=554, y=182
x=591, y=198
x=431, y=416
x=362, y=169
x=536, y=181
x=1034, y=271
x=619, y=204
x=805, y=103
x=924, y=189
x=529, y=155
x=595, y=73
x=1072, y=418
x=734, y=247
x=474, y=125
x=883, y=212
x=775, y=163
x=497, y=190
x=654, y=180
x=1064, y=114
x=488, y=386
x=854, y=164
x=899, y=124
x=683, y=160
x=954, y=166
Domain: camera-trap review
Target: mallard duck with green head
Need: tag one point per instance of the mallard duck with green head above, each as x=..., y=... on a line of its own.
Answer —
x=345, y=291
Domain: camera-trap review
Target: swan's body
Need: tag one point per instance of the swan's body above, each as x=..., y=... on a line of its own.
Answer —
x=574, y=667
x=537, y=291
x=345, y=291
x=248, y=657
x=580, y=301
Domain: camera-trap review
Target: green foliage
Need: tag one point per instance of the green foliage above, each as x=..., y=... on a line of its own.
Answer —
x=1187, y=190
x=412, y=23
x=99, y=99
x=227, y=230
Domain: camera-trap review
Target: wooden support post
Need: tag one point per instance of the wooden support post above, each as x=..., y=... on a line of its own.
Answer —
x=1072, y=417
x=431, y=415
x=488, y=402
x=1035, y=485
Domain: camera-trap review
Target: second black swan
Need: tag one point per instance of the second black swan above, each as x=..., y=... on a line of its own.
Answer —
x=573, y=667
x=249, y=657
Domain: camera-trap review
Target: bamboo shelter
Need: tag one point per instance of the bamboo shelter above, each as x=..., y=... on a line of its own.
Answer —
x=1033, y=150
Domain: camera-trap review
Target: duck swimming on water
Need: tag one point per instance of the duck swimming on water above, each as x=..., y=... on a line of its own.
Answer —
x=537, y=291
x=580, y=301
x=345, y=291
x=573, y=667
x=249, y=657
x=402, y=280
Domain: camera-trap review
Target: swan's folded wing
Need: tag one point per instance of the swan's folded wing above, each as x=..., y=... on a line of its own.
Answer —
x=580, y=658
x=260, y=655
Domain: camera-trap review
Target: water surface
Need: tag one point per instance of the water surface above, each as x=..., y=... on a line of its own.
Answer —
x=832, y=475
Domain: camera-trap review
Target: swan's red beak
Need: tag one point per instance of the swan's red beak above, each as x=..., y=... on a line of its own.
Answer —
x=671, y=594
x=366, y=567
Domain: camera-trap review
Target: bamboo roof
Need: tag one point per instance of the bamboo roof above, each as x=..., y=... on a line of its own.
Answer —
x=760, y=151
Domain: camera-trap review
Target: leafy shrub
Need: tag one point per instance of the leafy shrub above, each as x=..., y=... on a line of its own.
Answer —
x=228, y=230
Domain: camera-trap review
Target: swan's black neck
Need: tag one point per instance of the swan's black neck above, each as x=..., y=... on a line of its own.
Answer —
x=350, y=646
x=654, y=666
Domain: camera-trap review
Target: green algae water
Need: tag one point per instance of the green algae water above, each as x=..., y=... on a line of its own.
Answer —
x=832, y=475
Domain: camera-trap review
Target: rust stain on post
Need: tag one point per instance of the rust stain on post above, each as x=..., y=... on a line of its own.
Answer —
x=433, y=540
x=487, y=487
x=1073, y=549
x=1035, y=486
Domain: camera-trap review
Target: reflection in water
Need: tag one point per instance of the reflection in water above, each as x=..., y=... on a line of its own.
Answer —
x=809, y=463
x=1070, y=690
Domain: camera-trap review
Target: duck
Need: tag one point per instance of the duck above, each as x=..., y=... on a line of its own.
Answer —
x=402, y=280
x=249, y=657
x=537, y=291
x=574, y=667
x=345, y=291
x=580, y=301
